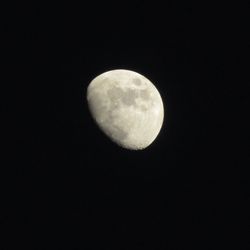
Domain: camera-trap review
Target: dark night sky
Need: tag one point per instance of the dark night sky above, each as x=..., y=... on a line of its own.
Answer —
x=64, y=181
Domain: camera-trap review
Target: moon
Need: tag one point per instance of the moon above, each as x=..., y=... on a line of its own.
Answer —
x=127, y=107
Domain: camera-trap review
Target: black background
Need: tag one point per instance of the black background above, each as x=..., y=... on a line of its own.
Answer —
x=66, y=185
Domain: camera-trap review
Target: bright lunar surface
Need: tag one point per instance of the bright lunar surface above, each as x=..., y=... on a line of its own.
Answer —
x=127, y=107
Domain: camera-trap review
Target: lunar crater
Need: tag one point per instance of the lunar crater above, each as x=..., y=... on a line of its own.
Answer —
x=137, y=81
x=144, y=94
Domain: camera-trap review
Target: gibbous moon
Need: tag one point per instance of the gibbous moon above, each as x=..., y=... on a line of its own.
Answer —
x=127, y=107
